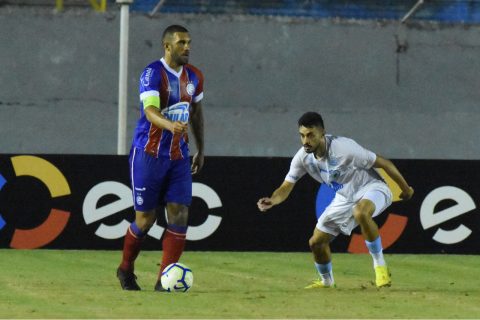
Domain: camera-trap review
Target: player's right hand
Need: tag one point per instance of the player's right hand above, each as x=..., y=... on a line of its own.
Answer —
x=264, y=204
x=178, y=127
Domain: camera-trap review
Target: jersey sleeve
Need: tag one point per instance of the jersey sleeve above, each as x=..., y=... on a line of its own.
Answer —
x=297, y=170
x=360, y=157
x=149, y=84
x=198, y=95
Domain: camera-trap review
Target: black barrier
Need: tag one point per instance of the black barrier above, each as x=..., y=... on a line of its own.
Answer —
x=84, y=202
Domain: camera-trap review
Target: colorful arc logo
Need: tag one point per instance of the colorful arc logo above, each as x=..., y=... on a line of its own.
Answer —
x=57, y=185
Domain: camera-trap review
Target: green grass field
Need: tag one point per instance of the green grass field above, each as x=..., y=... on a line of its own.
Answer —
x=82, y=284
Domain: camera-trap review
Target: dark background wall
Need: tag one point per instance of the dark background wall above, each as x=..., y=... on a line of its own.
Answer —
x=75, y=208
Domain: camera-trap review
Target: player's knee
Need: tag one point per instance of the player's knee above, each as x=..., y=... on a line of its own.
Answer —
x=317, y=243
x=177, y=214
x=363, y=212
x=359, y=215
x=144, y=226
x=145, y=221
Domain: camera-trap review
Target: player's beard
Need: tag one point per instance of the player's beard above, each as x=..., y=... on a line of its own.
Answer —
x=313, y=149
x=181, y=59
x=308, y=148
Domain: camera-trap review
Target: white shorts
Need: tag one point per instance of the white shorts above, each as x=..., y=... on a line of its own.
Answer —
x=338, y=216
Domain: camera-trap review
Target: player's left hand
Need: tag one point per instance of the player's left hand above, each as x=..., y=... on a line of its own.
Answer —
x=407, y=195
x=197, y=163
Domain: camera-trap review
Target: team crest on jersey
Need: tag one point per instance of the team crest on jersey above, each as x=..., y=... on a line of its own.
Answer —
x=190, y=89
x=334, y=175
x=177, y=112
x=139, y=200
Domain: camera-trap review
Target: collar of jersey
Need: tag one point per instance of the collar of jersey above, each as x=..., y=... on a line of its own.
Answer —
x=177, y=74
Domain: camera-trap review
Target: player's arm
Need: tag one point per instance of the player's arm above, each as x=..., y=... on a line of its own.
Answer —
x=196, y=120
x=392, y=171
x=153, y=115
x=277, y=197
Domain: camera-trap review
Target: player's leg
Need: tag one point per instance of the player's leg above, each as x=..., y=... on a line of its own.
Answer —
x=145, y=172
x=362, y=212
x=326, y=229
x=320, y=247
x=372, y=204
x=134, y=238
x=174, y=237
x=178, y=198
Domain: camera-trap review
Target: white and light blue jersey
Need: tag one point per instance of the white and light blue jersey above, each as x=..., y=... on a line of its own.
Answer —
x=346, y=167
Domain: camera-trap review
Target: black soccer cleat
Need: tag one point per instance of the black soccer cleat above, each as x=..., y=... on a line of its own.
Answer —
x=159, y=287
x=127, y=280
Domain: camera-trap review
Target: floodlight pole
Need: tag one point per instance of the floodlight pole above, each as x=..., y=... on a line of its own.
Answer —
x=123, y=76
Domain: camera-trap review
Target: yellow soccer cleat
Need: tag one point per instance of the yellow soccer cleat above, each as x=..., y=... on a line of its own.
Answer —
x=382, y=277
x=318, y=284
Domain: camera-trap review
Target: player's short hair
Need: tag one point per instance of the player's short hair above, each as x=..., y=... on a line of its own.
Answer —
x=170, y=30
x=311, y=119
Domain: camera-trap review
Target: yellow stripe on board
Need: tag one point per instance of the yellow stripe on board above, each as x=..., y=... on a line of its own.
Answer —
x=59, y=5
x=100, y=6
x=97, y=5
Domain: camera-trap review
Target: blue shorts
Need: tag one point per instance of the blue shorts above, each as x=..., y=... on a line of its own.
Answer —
x=158, y=181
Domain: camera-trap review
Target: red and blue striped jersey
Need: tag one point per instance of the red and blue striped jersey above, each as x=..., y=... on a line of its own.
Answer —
x=176, y=91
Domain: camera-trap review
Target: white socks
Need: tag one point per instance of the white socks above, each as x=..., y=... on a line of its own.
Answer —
x=326, y=273
x=375, y=249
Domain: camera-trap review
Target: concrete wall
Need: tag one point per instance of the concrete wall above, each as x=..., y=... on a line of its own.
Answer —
x=59, y=80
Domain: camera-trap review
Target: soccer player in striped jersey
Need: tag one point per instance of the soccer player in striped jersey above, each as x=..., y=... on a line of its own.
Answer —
x=171, y=91
x=360, y=194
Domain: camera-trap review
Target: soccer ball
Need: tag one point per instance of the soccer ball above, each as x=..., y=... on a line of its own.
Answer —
x=177, y=277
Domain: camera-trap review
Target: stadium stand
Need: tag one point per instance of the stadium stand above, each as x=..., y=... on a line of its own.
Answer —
x=454, y=11
x=444, y=11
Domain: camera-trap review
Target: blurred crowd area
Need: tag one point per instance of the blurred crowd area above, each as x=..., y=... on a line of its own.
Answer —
x=447, y=11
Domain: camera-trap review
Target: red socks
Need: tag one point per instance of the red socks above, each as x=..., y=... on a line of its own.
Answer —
x=131, y=249
x=173, y=244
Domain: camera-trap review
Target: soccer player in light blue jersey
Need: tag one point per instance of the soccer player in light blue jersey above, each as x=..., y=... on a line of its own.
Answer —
x=360, y=194
x=171, y=91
